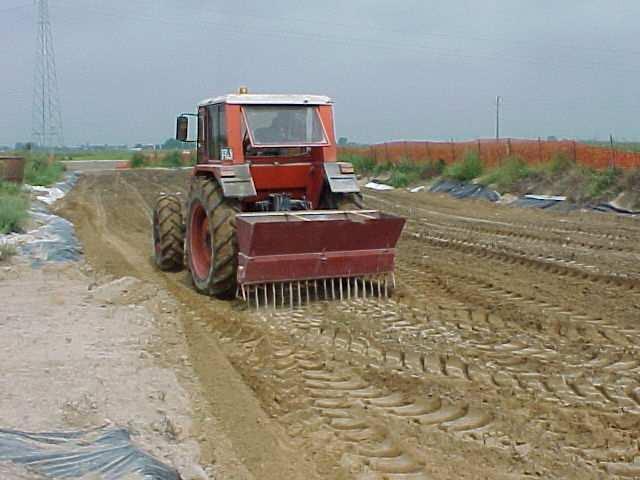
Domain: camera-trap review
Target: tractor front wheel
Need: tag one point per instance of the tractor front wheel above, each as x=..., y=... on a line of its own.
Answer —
x=212, y=251
x=168, y=233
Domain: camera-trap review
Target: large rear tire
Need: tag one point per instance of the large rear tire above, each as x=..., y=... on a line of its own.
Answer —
x=212, y=249
x=168, y=233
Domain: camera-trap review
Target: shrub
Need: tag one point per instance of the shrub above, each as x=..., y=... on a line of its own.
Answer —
x=138, y=160
x=503, y=177
x=362, y=165
x=42, y=170
x=603, y=181
x=13, y=208
x=172, y=159
x=631, y=181
x=467, y=169
x=559, y=163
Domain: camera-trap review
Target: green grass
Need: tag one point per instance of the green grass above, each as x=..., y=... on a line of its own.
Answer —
x=465, y=170
x=173, y=159
x=40, y=170
x=602, y=182
x=100, y=155
x=506, y=175
x=138, y=160
x=13, y=208
x=167, y=159
x=401, y=174
x=362, y=165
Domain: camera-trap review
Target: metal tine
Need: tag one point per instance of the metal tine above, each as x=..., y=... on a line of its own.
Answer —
x=386, y=286
x=273, y=290
x=341, y=296
x=348, y=288
x=244, y=293
x=282, y=294
x=306, y=287
x=315, y=289
x=324, y=284
x=364, y=287
x=291, y=294
x=299, y=295
x=266, y=295
x=355, y=287
x=255, y=290
x=333, y=289
x=393, y=280
x=379, y=291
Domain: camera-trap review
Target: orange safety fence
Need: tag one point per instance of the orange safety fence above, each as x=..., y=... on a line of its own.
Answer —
x=493, y=152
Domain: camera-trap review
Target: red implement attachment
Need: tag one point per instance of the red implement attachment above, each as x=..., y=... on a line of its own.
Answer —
x=278, y=250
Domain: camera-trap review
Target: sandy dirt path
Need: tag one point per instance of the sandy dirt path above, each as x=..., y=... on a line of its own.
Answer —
x=510, y=348
x=79, y=351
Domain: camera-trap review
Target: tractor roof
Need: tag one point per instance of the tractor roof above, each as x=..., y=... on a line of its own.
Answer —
x=263, y=99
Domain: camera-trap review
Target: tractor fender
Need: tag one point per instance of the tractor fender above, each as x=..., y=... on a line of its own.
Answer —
x=235, y=180
x=340, y=177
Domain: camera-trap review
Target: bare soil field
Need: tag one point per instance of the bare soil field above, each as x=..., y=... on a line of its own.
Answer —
x=509, y=349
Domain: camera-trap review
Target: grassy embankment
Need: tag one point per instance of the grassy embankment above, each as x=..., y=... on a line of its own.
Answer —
x=14, y=201
x=560, y=176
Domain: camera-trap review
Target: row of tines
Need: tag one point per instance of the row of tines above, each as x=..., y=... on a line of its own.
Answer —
x=295, y=293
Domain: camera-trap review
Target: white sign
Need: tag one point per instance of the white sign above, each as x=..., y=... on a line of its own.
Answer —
x=226, y=154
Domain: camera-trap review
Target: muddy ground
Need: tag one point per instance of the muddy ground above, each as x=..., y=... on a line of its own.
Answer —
x=509, y=350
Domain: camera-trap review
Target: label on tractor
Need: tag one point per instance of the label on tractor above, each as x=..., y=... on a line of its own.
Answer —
x=226, y=154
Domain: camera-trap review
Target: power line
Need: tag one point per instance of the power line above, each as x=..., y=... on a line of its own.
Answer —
x=47, y=117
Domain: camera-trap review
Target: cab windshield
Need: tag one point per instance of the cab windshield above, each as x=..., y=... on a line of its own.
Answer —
x=284, y=125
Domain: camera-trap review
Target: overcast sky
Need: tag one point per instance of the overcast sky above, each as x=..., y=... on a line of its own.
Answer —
x=419, y=69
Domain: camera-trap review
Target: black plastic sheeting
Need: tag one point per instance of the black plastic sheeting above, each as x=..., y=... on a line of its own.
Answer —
x=465, y=190
x=55, y=239
x=471, y=190
x=544, y=203
x=609, y=208
x=106, y=452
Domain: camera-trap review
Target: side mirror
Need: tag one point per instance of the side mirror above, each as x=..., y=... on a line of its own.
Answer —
x=182, y=128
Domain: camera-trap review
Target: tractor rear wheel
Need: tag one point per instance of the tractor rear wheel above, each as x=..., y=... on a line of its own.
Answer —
x=212, y=250
x=168, y=233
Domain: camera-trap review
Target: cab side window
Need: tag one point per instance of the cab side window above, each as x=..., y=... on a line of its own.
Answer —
x=217, y=130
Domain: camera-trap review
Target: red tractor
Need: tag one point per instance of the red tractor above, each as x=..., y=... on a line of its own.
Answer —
x=271, y=215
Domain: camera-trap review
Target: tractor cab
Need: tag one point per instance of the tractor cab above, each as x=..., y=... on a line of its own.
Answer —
x=270, y=208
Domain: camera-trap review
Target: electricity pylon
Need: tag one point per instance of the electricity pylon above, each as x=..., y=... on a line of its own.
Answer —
x=47, y=117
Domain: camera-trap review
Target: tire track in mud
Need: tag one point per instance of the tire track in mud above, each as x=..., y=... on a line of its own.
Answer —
x=460, y=238
x=528, y=360
x=562, y=237
x=515, y=364
x=543, y=225
x=369, y=419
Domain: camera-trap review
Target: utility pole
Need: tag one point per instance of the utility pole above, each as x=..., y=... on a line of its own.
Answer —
x=498, y=102
x=47, y=117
